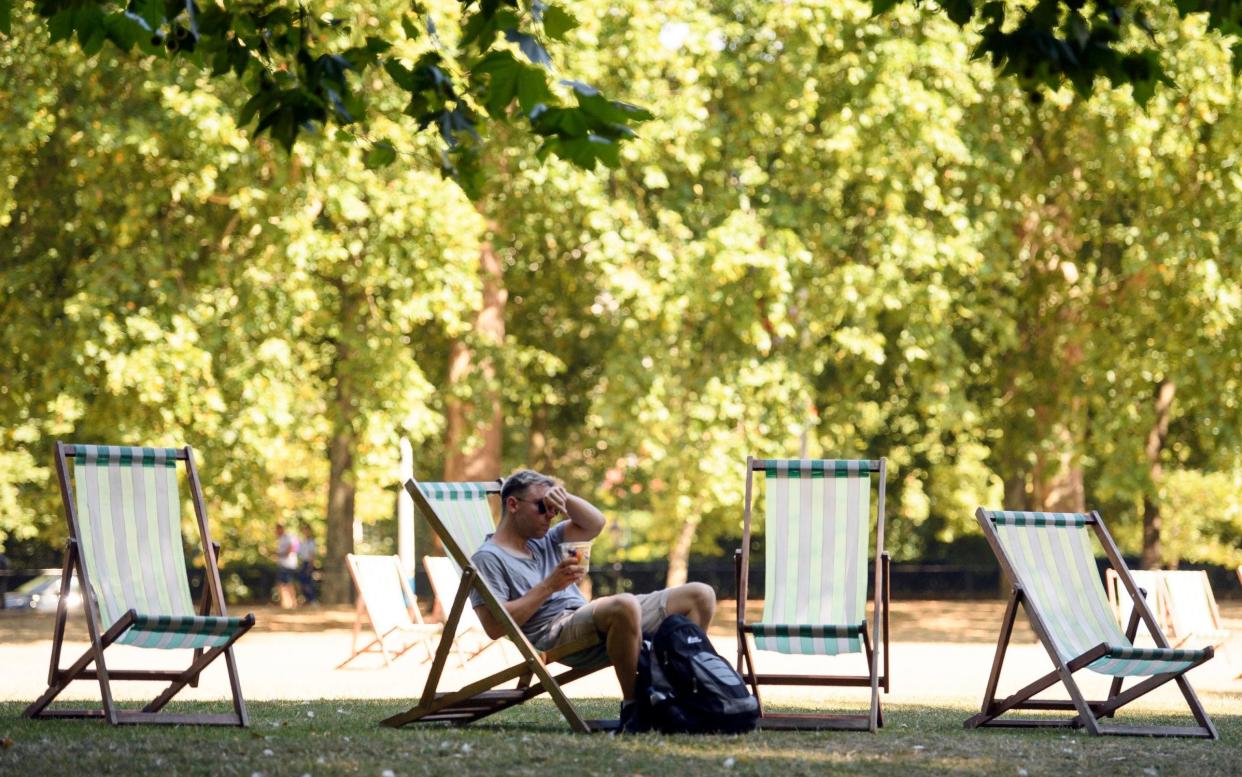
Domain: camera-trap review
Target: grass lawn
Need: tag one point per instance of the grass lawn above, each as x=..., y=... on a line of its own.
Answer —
x=342, y=737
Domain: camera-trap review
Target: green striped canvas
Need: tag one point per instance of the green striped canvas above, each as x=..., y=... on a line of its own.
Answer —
x=818, y=528
x=129, y=521
x=1051, y=554
x=464, y=510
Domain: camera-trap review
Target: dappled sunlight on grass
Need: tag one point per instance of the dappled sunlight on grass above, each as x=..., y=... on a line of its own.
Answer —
x=343, y=737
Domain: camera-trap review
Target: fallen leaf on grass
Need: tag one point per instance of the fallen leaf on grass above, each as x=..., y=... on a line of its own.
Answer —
x=6, y=743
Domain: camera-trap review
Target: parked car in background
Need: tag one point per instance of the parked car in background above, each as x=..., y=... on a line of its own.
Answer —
x=42, y=594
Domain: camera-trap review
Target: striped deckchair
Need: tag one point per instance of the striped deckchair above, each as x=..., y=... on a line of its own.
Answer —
x=387, y=603
x=125, y=545
x=817, y=533
x=460, y=514
x=1048, y=559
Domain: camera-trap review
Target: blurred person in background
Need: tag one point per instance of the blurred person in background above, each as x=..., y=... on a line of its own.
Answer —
x=286, y=567
x=308, y=552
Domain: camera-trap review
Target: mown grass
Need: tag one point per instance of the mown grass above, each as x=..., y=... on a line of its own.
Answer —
x=343, y=737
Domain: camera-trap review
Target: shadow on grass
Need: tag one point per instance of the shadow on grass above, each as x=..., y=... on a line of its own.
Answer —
x=343, y=737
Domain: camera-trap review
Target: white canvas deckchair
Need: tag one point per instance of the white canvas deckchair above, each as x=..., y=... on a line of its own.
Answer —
x=386, y=601
x=1194, y=617
x=1151, y=582
x=817, y=535
x=445, y=579
x=1048, y=559
x=126, y=546
x=461, y=517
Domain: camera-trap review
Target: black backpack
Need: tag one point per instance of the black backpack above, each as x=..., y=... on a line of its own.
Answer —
x=685, y=687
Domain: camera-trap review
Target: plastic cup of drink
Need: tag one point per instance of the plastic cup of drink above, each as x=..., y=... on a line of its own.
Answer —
x=579, y=551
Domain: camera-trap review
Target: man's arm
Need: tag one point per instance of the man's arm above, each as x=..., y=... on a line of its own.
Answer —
x=585, y=519
x=521, y=609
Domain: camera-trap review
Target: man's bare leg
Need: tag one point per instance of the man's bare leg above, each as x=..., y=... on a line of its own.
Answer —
x=696, y=601
x=620, y=619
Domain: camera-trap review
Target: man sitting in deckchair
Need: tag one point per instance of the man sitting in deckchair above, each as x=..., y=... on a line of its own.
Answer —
x=521, y=563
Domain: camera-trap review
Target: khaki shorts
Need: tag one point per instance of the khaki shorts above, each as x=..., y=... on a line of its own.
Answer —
x=579, y=623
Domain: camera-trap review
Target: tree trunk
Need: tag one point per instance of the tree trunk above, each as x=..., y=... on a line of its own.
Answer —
x=1061, y=490
x=1015, y=492
x=679, y=554
x=537, y=440
x=483, y=462
x=341, y=492
x=1153, y=551
x=341, y=482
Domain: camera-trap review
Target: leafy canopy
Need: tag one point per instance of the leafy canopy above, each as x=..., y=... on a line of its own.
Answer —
x=1048, y=43
x=308, y=65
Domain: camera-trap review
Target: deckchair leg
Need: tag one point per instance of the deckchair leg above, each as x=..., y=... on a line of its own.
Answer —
x=1021, y=699
x=195, y=668
x=875, y=718
x=750, y=674
x=239, y=702
x=62, y=613
x=446, y=638
x=354, y=652
x=887, y=599
x=998, y=661
x=61, y=680
x=1114, y=687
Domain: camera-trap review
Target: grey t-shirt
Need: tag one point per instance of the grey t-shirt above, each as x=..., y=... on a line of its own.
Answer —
x=511, y=577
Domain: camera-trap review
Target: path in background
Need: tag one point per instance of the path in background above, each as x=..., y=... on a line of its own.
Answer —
x=941, y=654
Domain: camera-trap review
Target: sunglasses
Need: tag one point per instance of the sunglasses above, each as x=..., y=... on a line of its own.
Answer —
x=539, y=504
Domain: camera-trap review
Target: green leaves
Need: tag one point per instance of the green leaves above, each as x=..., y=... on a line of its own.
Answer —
x=958, y=11
x=557, y=22
x=381, y=154
x=305, y=71
x=508, y=79
x=6, y=17
x=1072, y=41
x=591, y=132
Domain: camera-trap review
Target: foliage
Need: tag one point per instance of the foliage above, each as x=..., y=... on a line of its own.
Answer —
x=1203, y=524
x=308, y=66
x=1050, y=43
x=840, y=232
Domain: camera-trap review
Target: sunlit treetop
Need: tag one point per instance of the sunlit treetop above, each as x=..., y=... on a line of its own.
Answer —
x=306, y=66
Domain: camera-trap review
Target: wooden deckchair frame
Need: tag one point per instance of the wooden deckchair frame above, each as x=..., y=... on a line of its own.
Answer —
x=875, y=641
x=212, y=600
x=364, y=609
x=444, y=599
x=1114, y=587
x=482, y=698
x=1089, y=712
